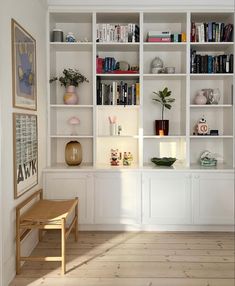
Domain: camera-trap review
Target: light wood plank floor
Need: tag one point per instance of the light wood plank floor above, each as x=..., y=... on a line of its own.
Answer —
x=135, y=259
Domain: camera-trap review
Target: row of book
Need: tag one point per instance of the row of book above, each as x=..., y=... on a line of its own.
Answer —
x=211, y=63
x=118, y=93
x=127, y=33
x=167, y=36
x=211, y=32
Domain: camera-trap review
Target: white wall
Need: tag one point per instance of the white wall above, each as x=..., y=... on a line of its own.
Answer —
x=32, y=16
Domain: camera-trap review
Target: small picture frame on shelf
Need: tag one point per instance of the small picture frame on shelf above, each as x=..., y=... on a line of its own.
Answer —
x=24, y=75
x=25, y=153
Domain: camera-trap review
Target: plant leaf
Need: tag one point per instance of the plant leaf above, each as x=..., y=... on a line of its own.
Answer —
x=168, y=106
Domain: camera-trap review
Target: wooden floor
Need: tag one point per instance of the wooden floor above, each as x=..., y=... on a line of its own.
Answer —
x=135, y=259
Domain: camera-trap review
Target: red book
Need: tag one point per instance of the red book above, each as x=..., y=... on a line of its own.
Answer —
x=157, y=40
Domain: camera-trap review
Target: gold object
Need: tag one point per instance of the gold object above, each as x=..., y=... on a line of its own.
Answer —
x=73, y=153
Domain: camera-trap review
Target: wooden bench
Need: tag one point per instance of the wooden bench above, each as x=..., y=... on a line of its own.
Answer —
x=44, y=215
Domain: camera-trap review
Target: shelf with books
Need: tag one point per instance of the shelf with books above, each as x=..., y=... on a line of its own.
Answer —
x=211, y=137
x=158, y=24
x=212, y=27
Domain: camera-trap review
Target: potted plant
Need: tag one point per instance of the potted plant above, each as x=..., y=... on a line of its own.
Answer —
x=70, y=79
x=163, y=97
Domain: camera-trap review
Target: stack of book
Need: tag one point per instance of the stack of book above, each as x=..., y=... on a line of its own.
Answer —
x=211, y=32
x=158, y=36
x=167, y=36
x=211, y=63
x=118, y=93
x=127, y=33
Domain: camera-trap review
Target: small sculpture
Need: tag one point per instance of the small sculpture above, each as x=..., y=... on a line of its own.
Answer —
x=156, y=65
x=70, y=38
x=207, y=159
x=127, y=158
x=200, y=98
x=115, y=157
x=202, y=126
x=73, y=121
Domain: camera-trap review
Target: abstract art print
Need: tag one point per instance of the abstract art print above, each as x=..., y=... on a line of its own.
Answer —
x=25, y=147
x=23, y=68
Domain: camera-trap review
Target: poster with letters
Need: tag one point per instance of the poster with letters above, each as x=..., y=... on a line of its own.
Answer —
x=25, y=148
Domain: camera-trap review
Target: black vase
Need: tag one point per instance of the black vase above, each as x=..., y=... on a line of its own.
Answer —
x=162, y=125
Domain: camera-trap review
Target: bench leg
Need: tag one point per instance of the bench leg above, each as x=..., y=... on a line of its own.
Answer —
x=17, y=243
x=63, y=253
x=40, y=234
x=76, y=224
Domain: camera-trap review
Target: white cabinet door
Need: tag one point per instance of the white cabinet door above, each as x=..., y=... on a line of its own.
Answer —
x=213, y=196
x=70, y=185
x=118, y=198
x=166, y=198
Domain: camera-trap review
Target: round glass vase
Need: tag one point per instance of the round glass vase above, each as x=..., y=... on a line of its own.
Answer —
x=70, y=96
x=73, y=153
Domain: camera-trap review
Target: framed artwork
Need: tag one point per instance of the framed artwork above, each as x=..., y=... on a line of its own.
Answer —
x=25, y=151
x=24, y=76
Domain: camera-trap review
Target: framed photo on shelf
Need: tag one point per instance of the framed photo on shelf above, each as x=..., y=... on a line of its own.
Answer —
x=24, y=74
x=25, y=152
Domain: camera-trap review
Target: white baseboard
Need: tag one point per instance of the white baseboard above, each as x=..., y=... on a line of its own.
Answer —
x=28, y=245
x=112, y=227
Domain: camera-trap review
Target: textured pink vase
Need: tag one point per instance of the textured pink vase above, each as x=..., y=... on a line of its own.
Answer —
x=70, y=96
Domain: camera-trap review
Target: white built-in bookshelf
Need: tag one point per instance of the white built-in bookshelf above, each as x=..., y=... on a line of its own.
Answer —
x=137, y=121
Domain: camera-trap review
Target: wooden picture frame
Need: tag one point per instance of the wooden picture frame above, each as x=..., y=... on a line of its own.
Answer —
x=24, y=75
x=25, y=152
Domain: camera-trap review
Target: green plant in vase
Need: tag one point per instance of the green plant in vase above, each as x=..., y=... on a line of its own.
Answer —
x=70, y=79
x=165, y=100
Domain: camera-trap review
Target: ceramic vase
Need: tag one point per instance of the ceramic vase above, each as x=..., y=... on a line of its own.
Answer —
x=200, y=98
x=73, y=153
x=70, y=96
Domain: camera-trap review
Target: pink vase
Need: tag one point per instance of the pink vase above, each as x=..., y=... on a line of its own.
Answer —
x=70, y=96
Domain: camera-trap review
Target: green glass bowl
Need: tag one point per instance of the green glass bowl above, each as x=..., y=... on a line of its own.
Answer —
x=164, y=161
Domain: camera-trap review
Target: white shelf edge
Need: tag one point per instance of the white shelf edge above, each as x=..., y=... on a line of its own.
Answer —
x=71, y=136
x=164, y=43
x=210, y=105
x=211, y=136
x=165, y=75
x=71, y=106
x=163, y=137
x=211, y=74
x=211, y=43
x=71, y=44
x=117, y=43
x=118, y=75
x=118, y=136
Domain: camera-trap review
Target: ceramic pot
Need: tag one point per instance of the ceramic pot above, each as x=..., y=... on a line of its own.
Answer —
x=162, y=127
x=70, y=96
x=73, y=153
x=200, y=98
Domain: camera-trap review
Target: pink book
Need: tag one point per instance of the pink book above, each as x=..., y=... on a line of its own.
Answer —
x=154, y=40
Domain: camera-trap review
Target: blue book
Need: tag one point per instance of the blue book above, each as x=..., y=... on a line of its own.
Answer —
x=210, y=64
x=210, y=32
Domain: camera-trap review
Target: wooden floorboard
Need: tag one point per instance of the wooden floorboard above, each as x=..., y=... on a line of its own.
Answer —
x=135, y=259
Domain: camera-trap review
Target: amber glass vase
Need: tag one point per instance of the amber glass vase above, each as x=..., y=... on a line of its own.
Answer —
x=73, y=153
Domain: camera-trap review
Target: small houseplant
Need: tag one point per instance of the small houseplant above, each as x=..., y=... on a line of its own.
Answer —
x=70, y=79
x=165, y=99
